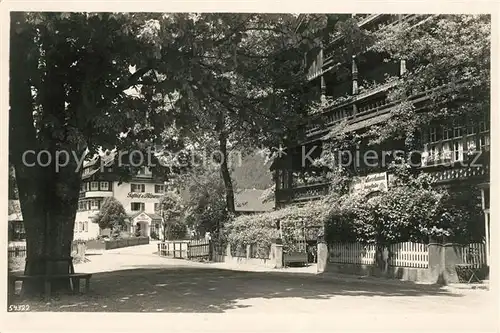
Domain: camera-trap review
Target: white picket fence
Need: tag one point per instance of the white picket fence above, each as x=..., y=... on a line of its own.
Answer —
x=352, y=253
x=474, y=254
x=402, y=254
x=409, y=255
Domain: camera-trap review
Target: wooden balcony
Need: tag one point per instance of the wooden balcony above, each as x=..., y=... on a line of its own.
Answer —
x=461, y=174
x=367, y=107
x=302, y=193
x=440, y=175
x=475, y=169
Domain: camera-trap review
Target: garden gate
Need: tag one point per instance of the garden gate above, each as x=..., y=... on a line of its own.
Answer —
x=200, y=249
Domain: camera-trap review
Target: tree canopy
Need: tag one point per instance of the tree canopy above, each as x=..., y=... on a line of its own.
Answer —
x=446, y=55
x=84, y=81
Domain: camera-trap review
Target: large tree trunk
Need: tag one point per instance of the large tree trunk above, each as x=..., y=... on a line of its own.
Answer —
x=48, y=197
x=226, y=176
x=49, y=216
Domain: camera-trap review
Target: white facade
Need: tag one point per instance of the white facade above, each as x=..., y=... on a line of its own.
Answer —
x=140, y=198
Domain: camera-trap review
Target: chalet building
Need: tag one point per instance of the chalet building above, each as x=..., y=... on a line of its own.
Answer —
x=139, y=196
x=357, y=85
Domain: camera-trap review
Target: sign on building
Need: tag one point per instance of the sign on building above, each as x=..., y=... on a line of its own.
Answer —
x=142, y=195
x=371, y=183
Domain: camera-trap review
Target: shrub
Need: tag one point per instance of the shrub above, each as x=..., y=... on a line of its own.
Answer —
x=175, y=230
x=299, y=222
x=256, y=230
x=410, y=211
x=461, y=215
x=260, y=230
x=348, y=220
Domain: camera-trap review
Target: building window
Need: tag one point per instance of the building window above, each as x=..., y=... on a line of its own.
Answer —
x=446, y=151
x=432, y=135
x=87, y=186
x=447, y=133
x=458, y=151
x=484, y=142
x=471, y=129
x=458, y=132
x=19, y=228
x=159, y=188
x=471, y=144
x=433, y=153
x=85, y=226
x=483, y=126
x=104, y=186
x=137, y=188
x=82, y=187
x=94, y=186
x=95, y=204
x=137, y=206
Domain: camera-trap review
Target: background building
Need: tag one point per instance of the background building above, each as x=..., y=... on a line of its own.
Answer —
x=139, y=196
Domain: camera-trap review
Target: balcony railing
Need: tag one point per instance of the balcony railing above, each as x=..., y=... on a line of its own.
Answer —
x=333, y=115
x=460, y=173
x=96, y=194
x=450, y=173
x=303, y=193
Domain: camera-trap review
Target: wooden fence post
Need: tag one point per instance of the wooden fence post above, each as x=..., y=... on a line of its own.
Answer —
x=248, y=251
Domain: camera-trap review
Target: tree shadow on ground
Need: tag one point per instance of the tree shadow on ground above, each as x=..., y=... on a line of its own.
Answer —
x=209, y=290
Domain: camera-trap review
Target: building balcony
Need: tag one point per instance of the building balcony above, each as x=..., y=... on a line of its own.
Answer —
x=96, y=194
x=459, y=172
x=302, y=193
x=372, y=107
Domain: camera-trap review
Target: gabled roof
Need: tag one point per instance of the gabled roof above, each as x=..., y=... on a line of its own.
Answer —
x=152, y=216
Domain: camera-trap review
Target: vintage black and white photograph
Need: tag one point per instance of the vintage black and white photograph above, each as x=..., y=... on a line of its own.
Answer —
x=335, y=164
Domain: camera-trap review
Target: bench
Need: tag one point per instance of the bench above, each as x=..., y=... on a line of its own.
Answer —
x=295, y=257
x=47, y=279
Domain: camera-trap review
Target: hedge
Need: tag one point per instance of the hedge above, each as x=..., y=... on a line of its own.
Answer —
x=404, y=213
x=260, y=230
